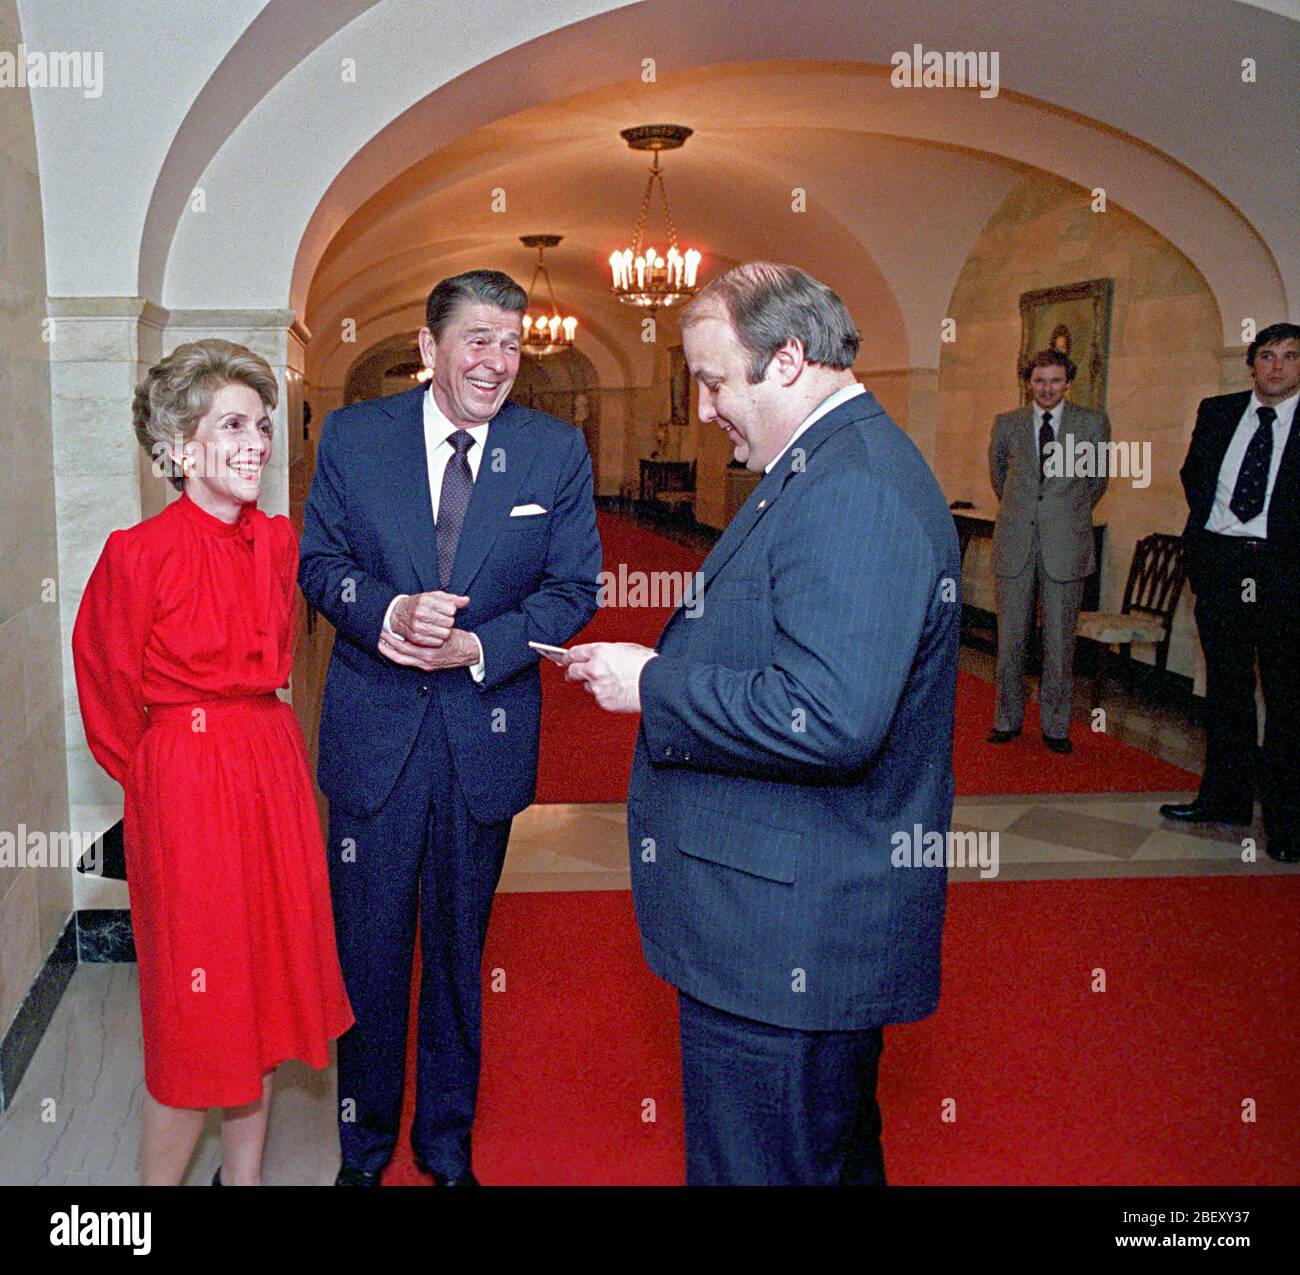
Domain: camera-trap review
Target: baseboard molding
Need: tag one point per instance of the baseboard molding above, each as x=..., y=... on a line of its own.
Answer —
x=675, y=528
x=93, y=935
x=33, y=1017
x=104, y=935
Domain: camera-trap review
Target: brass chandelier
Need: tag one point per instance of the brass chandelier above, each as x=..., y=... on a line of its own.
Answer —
x=545, y=334
x=642, y=277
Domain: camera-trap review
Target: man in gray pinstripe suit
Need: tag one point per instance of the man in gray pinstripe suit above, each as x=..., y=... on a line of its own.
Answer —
x=1043, y=547
x=794, y=734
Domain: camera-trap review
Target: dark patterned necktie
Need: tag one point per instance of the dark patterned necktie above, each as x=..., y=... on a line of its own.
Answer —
x=1252, y=478
x=457, y=487
x=1045, y=439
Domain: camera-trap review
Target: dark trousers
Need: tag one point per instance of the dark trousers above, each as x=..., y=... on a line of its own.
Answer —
x=422, y=855
x=1237, y=631
x=774, y=1106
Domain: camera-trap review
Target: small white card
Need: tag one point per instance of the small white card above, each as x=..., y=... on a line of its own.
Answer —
x=556, y=654
x=526, y=511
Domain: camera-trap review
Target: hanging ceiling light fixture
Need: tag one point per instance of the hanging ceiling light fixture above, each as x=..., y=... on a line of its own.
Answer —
x=545, y=334
x=642, y=277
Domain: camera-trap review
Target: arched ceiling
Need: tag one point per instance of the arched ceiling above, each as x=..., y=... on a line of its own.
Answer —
x=250, y=96
x=893, y=203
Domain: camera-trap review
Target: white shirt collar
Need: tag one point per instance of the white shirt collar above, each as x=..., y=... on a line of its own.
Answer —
x=841, y=395
x=1057, y=412
x=1285, y=410
x=438, y=429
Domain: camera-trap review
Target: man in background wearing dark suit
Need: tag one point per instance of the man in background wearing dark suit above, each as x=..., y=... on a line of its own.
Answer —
x=796, y=730
x=1043, y=546
x=1241, y=549
x=445, y=530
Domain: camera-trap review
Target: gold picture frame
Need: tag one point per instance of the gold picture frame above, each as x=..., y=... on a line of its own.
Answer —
x=1075, y=319
x=679, y=387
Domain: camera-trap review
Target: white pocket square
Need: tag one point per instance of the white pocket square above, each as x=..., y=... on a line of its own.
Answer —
x=526, y=511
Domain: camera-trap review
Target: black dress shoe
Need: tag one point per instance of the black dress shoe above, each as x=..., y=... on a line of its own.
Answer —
x=996, y=736
x=442, y=1179
x=465, y=1179
x=348, y=1176
x=1200, y=812
x=1062, y=746
x=1284, y=849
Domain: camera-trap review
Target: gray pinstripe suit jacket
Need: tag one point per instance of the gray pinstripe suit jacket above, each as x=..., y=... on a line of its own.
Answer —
x=1059, y=511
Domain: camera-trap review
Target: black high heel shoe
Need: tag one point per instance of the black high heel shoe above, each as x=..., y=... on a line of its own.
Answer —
x=216, y=1177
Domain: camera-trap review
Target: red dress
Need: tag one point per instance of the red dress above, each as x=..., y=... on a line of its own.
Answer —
x=184, y=633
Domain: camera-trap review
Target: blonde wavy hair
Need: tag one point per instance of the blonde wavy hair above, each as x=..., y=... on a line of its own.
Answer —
x=172, y=399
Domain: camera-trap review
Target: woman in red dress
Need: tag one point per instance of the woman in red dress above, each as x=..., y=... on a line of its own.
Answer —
x=184, y=633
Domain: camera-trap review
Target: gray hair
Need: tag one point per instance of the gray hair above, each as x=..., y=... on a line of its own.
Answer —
x=171, y=400
x=768, y=305
x=490, y=286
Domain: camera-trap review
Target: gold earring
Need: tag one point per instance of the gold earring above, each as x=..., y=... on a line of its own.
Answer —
x=187, y=466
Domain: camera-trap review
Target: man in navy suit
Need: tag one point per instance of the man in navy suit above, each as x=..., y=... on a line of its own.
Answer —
x=795, y=749
x=445, y=529
x=1241, y=548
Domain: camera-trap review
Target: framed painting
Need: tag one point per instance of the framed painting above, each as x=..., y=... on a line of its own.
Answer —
x=679, y=387
x=1075, y=319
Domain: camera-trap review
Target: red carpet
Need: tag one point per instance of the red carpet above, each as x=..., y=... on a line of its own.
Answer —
x=573, y=725
x=1052, y=1082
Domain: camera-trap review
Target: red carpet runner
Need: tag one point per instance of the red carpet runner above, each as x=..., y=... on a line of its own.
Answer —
x=1052, y=1082
x=586, y=754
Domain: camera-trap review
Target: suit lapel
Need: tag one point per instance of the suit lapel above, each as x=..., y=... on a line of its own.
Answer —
x=760, y=501
x=409, y=486
x=1228, y=422
x=507, y=458
x=765, y=495
x=1026, y=440
x=1289, y=468
x=1067, y=422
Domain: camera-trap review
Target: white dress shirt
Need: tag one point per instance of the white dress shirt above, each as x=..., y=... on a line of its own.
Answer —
x=1222, y=520
x=437, y=452
x=1054, y=425
x=842, y=395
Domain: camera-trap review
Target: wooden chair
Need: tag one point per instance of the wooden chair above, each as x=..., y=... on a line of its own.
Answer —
x=1155, y=583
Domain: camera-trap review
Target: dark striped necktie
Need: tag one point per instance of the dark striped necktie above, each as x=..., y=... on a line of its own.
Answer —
x=457, y=487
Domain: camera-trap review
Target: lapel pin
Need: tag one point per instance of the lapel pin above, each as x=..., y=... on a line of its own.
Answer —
x=761, y=503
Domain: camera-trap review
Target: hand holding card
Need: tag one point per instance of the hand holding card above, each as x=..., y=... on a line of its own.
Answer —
x=556, y=654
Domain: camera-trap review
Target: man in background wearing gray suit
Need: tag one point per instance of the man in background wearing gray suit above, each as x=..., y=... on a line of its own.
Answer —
x=1043, y=546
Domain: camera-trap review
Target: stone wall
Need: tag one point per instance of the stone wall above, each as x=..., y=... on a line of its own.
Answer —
x=34, y=901
x=1165, y=356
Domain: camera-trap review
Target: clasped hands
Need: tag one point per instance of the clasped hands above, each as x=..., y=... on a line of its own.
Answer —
x=425, y=635
x=611, y=671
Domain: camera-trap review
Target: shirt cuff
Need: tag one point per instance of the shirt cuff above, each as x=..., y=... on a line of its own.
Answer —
x=388, y=615
x=479, y=670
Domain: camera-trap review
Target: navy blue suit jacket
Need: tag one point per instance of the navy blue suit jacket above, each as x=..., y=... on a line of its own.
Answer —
x=792, y=729
x=368, y=535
